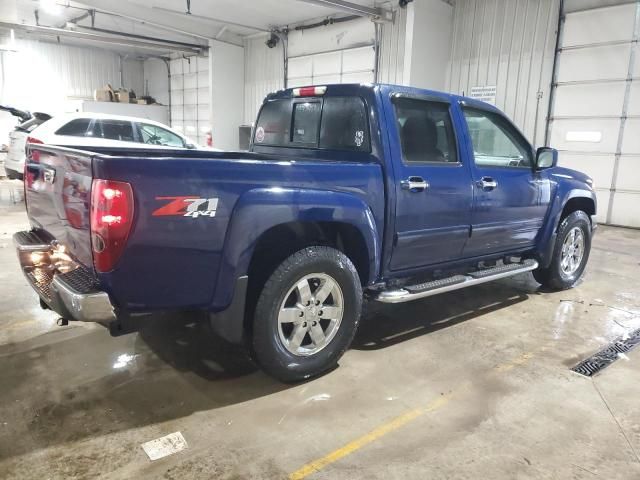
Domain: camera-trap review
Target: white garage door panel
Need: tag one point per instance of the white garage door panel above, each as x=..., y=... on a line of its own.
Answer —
x=587, y=118
x=177, y=96
x=327, y=63
x=191, y=80
x=602, y=197
x=300, y=67
x=598, y=167
x=331, y=37
x=590, y=100
x=625, y=209
x=190, y=113
x=190, y=97
x=597, y=63
x=358, y=77
x=358, y=59
x=634, y=99
x=326, y=79
x=631, y=141
x=300, y=82
x=601, y=25
x=629, y=174
x=607, y=128
x=355, y=65
x=177, y=83
x=176, y=113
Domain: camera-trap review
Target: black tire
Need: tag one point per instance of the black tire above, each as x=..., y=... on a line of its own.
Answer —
x=553, y=277
x=269, y=349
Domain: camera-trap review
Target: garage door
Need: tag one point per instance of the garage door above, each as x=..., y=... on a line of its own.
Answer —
x=352, y=65
x=596, y=111
x=190, y=112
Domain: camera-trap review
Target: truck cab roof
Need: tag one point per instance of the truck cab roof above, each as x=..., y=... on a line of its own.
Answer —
x=365, y=89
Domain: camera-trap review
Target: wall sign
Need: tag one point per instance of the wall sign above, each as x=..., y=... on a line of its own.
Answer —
x=485, y=93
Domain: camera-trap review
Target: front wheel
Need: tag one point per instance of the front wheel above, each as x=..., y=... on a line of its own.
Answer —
x=570, y=253
x=307, y=314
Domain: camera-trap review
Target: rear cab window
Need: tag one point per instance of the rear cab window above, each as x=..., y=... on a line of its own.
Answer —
x=330, y=123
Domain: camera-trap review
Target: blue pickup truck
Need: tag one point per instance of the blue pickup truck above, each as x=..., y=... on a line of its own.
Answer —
x=349, y=191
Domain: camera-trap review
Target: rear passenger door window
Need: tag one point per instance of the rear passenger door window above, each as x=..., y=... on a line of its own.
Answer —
x=111, y=129
x=425, y=130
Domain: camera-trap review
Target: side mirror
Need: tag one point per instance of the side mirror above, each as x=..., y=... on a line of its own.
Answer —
x=546, y=157
x=190, y=146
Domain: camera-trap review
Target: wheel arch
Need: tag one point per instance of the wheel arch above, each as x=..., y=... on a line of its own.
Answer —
x=290, y=219
x=564, y=205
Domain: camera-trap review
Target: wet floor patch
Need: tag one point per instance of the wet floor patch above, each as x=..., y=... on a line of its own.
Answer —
x=608, y=355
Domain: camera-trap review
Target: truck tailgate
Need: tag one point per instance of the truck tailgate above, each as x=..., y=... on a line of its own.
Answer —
x=58, y=191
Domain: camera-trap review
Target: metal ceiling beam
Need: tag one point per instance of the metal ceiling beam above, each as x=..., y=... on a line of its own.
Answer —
x=205, y=18
x=149, y=16
x=121, y=39
x=376, y=14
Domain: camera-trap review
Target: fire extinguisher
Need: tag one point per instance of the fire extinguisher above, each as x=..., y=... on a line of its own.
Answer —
x=209, y=139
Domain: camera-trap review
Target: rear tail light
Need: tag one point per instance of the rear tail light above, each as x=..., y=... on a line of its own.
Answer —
x=34, y=155
x=34, y=140
x=111, y=220
x=309, y=91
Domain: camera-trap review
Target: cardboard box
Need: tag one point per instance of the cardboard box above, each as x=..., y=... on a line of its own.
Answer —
x=104, y=94
x=123, y=96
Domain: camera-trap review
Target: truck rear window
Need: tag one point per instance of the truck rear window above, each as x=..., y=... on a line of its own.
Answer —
x=335, y=123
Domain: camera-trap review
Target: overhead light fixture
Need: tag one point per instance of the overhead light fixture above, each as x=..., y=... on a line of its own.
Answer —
x=51, y=7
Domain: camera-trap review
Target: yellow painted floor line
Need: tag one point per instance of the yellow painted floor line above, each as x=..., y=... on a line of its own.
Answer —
x=368, y=438
x=398, y=422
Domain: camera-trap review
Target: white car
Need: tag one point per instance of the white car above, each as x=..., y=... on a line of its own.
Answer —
x=14, y=161
x=102, y=130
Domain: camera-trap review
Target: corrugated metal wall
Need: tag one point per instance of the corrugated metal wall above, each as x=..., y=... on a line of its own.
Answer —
x=45, y=76
x=509, y=44
x=392, y=49
x=263, y=73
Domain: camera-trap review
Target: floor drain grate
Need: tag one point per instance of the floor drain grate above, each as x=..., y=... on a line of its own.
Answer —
x=608, y=355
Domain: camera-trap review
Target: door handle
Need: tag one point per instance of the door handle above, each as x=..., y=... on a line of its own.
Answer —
x=487, y=183
x=415, y=184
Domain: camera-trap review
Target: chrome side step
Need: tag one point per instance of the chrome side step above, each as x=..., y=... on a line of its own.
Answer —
x=428, y=289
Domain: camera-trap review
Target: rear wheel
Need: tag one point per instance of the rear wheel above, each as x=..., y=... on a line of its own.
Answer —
x=570, y=253
x=307, y=314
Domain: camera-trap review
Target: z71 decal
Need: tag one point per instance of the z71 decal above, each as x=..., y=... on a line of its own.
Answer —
x=187, y=207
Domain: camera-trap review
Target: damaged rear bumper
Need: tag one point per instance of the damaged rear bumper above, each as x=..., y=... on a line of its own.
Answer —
x=63, y=285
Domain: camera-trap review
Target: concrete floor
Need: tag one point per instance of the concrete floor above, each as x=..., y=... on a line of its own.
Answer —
x=472, y=384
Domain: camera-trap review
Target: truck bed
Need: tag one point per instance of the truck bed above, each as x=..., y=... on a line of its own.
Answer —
x=175, y=256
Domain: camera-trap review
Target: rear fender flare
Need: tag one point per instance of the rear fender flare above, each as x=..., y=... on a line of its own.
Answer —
x=260, y=209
